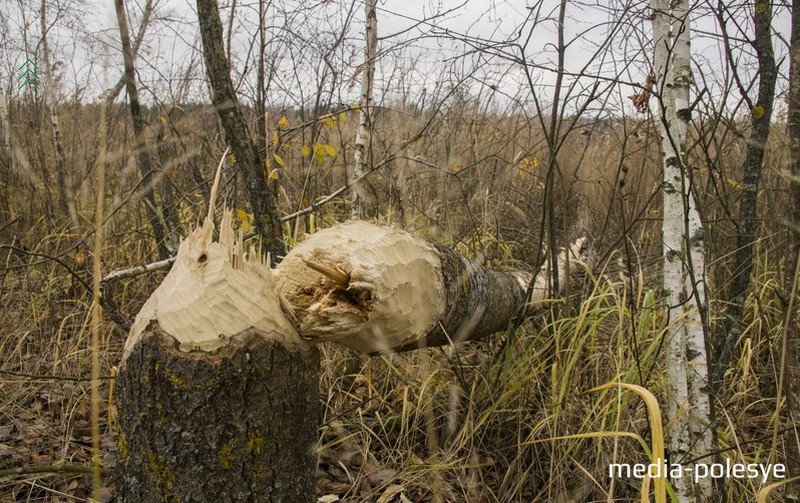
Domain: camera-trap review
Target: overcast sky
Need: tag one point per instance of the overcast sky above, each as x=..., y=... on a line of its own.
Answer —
x=425, y=45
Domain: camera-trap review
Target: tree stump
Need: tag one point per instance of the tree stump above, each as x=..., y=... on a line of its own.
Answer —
x=218, y=395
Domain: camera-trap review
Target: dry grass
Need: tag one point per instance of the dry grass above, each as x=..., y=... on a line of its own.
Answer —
x=509, y=419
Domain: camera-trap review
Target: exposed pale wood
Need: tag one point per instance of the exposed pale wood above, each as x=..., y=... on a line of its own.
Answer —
x=210, y=295
x=380, y=289
x=393, y=296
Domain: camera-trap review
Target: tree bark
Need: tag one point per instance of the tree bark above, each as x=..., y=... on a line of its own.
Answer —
x=361, y=150
x=218, y=397
x=262, y=200
x=791, y=344
x=111, y=94
x=66, y=196
x=379, y=289
x=760, y=117
x=689, y=406
x=748, y=223
x=147, y=167
x=7, y=162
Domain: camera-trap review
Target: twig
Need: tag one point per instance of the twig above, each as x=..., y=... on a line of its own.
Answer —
x=69, y=468
x=9, y=224
x=46, y=377
x=132, y=272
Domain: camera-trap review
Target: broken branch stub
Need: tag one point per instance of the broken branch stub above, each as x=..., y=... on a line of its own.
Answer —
x=217, y=391
x=379, y=289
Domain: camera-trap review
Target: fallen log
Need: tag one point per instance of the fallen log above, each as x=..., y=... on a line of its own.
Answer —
x=378, y=289
x=217, y=393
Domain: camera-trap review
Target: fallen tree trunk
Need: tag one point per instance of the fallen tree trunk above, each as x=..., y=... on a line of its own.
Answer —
x=218, y=397
x=380, y=289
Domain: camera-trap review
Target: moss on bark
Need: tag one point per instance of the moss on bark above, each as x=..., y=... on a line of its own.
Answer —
x=237, y=424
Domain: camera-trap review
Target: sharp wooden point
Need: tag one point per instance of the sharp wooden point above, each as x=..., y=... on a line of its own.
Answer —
x=333, y=273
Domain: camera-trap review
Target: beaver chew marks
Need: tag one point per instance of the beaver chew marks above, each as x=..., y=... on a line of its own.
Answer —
x=369, y=287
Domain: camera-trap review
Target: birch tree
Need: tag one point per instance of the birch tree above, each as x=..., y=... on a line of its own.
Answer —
x=688, y=405
x=66, y=197
x=7, y=160
x=5, y=124
x=361, y=148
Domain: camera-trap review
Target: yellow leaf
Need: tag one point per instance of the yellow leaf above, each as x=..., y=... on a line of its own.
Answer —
x=278, y=160
x=343, y=117
x=305, y=151
x=330, y=150
x=529, y=163
x=273, y=175
x=734, y=183
x=319, y=154
x=758, y=111
x=275, y=139
x=268, y=164
x=245, y=219
x=283, y=122
x=232, y=159
x=329, y=121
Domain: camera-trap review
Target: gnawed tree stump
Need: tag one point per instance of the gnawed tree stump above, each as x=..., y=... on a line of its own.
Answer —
x=218, y=397
x=380, y=289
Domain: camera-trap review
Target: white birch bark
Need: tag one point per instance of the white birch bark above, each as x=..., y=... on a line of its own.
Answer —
x=66, y=196
x=683, y=247
x=6, y=125
x=360, y=152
